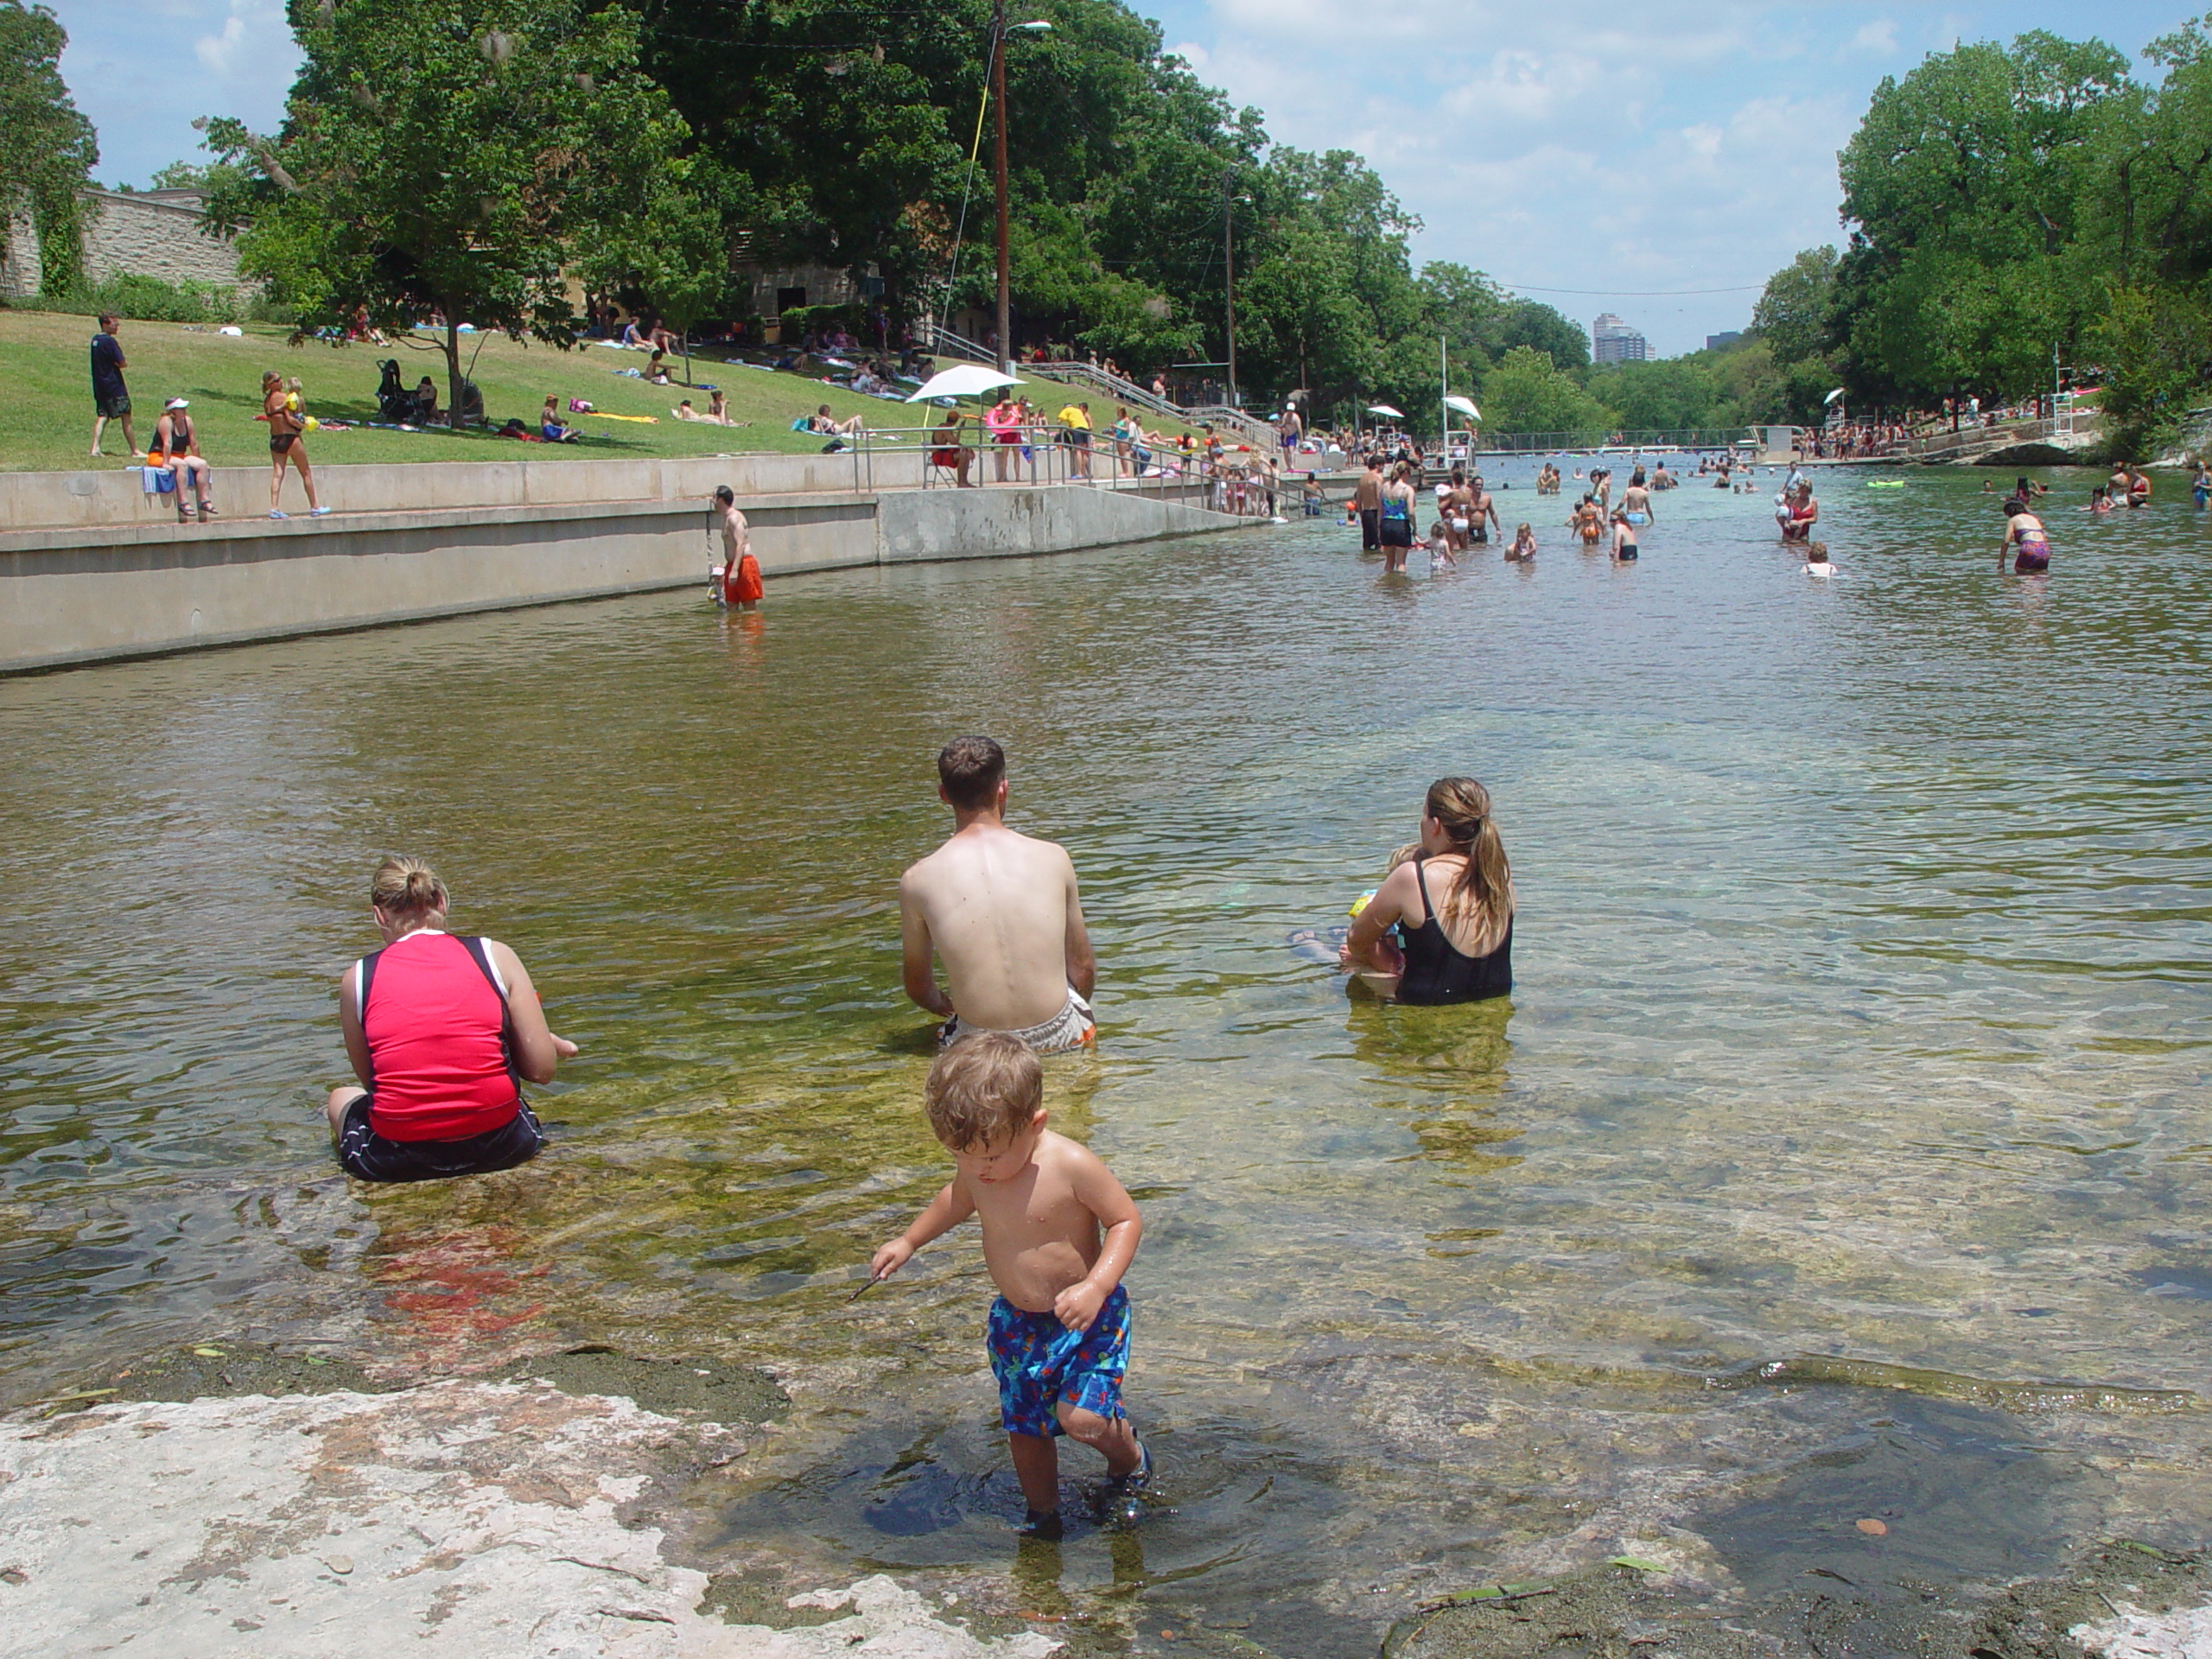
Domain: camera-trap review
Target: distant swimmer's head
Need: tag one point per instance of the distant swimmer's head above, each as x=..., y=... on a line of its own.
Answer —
x=985, y=1100
x=970, y=773
x=407, y=889
x=724, y=494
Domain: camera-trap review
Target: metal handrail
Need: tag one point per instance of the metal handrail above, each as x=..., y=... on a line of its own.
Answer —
x=1067, y=369
x=1050, y=461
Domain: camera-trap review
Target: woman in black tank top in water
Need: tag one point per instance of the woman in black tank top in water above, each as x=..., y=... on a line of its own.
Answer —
x=1442, y=921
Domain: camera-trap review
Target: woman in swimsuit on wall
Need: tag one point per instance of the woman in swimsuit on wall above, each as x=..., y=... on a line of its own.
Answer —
x=1451, y=905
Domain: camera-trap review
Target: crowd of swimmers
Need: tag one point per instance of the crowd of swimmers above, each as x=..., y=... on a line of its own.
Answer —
x=1385, y=503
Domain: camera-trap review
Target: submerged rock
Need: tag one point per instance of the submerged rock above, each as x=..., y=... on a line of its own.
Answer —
x=459, y=1517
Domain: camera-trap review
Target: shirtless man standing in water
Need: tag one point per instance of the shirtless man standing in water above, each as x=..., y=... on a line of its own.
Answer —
x=1001, y=911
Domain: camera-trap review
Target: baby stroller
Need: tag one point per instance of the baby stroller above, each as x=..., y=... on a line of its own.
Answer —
x=398, y=402
x=395, y=399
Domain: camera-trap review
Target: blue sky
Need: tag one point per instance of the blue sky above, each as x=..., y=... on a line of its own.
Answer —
x=1571, y=144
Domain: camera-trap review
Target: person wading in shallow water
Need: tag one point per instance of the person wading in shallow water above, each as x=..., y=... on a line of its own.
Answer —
x=1058, y=1233
x=2023, y=531
x=442, y=1028
x=1367, y=502
x=1001, y=912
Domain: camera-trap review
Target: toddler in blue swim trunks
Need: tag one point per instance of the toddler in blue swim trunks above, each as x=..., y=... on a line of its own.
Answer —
x=1058, y=1233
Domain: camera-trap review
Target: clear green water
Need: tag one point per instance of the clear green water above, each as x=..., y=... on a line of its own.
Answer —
x=1861, y=1027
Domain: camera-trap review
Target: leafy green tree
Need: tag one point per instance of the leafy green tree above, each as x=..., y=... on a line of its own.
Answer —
x=1795, y=314
x=452, y=157
x=1963, y=185
x=1542, y=328
x=50, y=150
x=1526, y=392
x=1664, y=395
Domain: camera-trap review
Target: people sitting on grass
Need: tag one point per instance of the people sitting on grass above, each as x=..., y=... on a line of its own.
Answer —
x=715, y=414
x=829, y=426
x=426, y=400
x=551, y=427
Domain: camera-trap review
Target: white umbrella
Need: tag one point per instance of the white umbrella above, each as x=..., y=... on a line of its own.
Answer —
x=964, y=380
x=1833, y=396
x=1385, y=408
x=1463, y=406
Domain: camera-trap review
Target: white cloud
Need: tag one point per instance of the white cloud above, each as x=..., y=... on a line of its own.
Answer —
x=218, y=52
x=1879, y=35
x=255, y=30
x=1192, y=53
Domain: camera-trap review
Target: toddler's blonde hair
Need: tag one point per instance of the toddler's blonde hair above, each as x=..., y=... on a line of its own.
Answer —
x=983, y=1091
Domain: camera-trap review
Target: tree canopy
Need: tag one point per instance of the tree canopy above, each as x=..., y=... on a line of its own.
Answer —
x=50, y=150
x=2012, y=209
x=450, y=159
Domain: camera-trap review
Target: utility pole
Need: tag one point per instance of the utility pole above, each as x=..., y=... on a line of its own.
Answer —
x=1229, y=274
x=998, y=166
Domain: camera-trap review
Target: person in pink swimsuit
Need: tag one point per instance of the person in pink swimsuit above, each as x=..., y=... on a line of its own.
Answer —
x=1003, y=421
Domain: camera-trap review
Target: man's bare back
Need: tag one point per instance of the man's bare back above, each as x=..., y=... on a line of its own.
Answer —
x=1001, y=911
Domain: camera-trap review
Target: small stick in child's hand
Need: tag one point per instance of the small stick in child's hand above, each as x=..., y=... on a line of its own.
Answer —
x=862, y=1291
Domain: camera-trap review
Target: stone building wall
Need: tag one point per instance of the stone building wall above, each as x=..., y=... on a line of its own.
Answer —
x=145, y=233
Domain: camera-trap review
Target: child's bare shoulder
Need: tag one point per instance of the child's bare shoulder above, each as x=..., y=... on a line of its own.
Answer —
x=1083, y=1170
x=1056, y=1152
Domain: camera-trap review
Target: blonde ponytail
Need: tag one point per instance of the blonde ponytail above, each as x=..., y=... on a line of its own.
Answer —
x=1484, y=887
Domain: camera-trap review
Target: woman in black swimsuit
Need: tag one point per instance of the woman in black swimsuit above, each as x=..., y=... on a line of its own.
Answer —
x=1451, y=905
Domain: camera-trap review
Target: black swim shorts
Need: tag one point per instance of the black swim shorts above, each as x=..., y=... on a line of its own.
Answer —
x=111, y=405
x=368, y=1156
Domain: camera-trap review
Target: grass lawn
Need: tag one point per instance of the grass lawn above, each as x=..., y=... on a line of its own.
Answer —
x=46, y=418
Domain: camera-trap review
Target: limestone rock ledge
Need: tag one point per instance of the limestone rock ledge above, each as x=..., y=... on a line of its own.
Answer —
x=456, y=1518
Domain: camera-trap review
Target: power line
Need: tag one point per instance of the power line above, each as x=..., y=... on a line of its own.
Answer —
x=1629, y=293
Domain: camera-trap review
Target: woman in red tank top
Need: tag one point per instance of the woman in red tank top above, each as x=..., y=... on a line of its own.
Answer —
x=441, y=1029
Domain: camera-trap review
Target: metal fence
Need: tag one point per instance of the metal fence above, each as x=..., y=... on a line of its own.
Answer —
x=1526, y=443
x=908, y=457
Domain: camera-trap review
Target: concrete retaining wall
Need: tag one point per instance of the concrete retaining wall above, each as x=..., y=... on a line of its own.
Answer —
x=100, y=593
x=115, y=495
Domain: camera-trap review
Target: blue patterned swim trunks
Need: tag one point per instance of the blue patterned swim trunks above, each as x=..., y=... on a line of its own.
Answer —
x=1040, y=1363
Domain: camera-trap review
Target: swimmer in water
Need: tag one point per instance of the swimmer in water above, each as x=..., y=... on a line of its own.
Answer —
x=2099, y=499
x=2200, y=486
x=1625, y=549
x=1636, y=500
x=1524, y=546
x=1816, y=561
x=1585, y=522
x=2025, y=538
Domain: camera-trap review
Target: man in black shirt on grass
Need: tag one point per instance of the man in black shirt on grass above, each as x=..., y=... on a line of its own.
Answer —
x=110, y=397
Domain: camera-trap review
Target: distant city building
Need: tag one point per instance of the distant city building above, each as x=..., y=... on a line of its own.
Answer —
x=1613, y=340
x=1714, y=342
